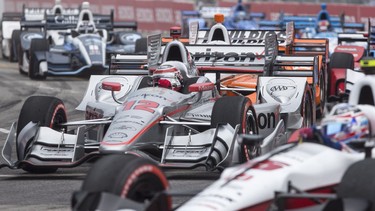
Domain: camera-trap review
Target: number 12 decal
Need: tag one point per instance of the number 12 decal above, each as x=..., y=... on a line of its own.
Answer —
x=144, y=105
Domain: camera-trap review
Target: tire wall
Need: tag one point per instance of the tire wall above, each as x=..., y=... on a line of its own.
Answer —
x=160, y=15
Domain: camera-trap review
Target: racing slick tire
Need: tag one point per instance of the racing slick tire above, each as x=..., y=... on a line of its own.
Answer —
x=47, y=111
x=127, y=176
x=238, y=110
x=21, y=54
x=141, y=46
x=323, y=94
x=37, y=45
x=15, y=41
x=307, y=108
x=339, y=60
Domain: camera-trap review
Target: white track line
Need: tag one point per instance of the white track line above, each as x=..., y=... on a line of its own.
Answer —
x=2, y=130
x=40, y=175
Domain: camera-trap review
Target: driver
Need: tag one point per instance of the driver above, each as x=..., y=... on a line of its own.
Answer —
x=323, y=25
x=168, y=76
x=347, y=127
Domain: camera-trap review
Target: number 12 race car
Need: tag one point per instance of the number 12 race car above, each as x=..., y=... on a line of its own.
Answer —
x=179, y=124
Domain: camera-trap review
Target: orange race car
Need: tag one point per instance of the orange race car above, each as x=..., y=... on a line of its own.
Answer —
x=288, y=45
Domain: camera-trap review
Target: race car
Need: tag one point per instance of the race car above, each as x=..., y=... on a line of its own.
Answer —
x=252, y=185
x=237, y=17
x=11, y=25
x=173, y=117
x=288, y=45
x=293, y=72
x=355, y=191
x=313, y=164
x=73, y=45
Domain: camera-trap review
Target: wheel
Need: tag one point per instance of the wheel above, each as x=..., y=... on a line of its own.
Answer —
x=241, y=112
x=307, y=109
x=141, y=46
x=15, y=41
x=21, y=55
x=48, y=111
x=127, y=176
x=323, y=93
x=339, y=60
x=36, y=45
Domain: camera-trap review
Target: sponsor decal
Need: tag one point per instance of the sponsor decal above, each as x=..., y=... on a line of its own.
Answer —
x=188, y=152
x=198, y=115
x=346, y=49
x=118, y=135
x=32, y=36
x=267, y=120
x=270, y=165
x=122, y=120
x=66, y=19
x=209, y=56
x=125, y=127
x=281, y=87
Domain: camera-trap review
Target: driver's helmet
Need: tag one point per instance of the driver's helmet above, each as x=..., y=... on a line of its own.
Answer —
x=86, y=27
x=168, y=76
x=323, y=25
x=239, y=16
x=346, y=124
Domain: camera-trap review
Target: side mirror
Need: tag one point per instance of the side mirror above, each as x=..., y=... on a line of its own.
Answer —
x=251, y=139
x=111, y=86
x=200, y=87
x=74, y=33
x=101, y=33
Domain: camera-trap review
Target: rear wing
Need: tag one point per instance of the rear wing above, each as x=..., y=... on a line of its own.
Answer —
x=38, y=14
x=137, y=64
x=287, y=65
x=211, y=55
x=129, y=64
x=62, y=22
x=237, y=37
x=305, y=46
x=11, y=16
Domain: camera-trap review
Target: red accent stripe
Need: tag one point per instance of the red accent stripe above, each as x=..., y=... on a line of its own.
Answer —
x=183, y=108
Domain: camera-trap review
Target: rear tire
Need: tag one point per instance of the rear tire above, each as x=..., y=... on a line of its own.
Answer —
x=339, y=60
x=141, y=46
x=323, y=93
x=15, y=41
x=307, y=109
x=21, y=54
x=48, y=111
x=238, y=110
x=37, y=45
x=127, y=176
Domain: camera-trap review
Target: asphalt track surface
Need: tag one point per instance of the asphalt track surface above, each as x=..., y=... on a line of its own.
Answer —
x=23, y=191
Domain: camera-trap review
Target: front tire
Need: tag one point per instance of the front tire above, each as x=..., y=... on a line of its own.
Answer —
x=238, y=110
x=15, y=41
x=37, y=45
x=127, y=176
x=49, y=112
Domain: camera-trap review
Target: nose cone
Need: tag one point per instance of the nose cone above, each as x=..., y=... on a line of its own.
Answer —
x=282, y=90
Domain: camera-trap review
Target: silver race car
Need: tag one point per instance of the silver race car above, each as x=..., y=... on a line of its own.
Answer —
x=172, y=116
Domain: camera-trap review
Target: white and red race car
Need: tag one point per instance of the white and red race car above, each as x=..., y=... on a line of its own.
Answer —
x=137, y=184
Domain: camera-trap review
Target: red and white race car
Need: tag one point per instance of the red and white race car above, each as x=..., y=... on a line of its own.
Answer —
x=303, y=167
